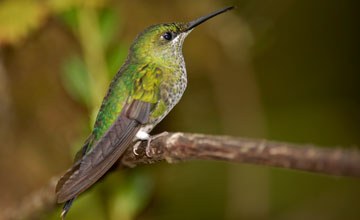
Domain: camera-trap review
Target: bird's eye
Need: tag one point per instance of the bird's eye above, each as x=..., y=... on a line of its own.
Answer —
x=167, y=36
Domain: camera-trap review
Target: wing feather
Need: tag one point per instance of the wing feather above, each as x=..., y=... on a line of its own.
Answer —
x=106, y=151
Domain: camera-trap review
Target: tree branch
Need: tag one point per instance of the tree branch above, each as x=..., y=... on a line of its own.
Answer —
x=175, y=147
x=182, y=147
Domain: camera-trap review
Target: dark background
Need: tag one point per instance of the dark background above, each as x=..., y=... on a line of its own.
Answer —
x=279, y=70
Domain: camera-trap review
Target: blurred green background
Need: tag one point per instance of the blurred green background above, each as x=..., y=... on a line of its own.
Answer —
x=283, y=70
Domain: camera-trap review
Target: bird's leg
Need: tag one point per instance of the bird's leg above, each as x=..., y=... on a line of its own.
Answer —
x=142, y=136
x=146, y=137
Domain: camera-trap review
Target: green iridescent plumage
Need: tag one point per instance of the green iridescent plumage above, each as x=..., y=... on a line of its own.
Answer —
x=148, y=64
x=148, y=85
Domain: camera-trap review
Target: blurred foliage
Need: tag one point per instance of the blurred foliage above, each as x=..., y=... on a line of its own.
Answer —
x=282, y=70
x=61, y=5
x=101, y=58
x=76, y=80
x=130, y=197
x=18, y=18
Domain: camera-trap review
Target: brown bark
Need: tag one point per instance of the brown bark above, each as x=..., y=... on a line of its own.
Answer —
x=181, y=147
x=175, y=147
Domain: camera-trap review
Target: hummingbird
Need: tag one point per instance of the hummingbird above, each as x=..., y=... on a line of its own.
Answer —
x=148, y=85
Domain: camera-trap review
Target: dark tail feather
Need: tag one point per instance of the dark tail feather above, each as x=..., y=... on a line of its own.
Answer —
x=67, y=207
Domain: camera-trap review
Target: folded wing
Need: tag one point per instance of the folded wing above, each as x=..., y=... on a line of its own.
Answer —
x=106, y=151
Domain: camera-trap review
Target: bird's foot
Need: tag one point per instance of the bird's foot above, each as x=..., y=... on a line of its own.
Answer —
x=143, y=136
x=151, y=138
x=136, y=147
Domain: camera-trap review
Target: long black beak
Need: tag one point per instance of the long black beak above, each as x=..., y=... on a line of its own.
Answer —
x=202, y=19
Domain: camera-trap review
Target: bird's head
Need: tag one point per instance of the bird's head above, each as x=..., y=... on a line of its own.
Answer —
x=163, y=42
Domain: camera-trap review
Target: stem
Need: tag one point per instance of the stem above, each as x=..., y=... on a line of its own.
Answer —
x=182, y=147
x=176, y=147
x=94, y=56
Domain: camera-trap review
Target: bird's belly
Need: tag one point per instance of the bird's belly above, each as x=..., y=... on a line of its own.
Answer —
x=171, y=93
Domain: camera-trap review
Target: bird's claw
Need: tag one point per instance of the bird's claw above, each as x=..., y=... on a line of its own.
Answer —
x=151, y=138
x=147, y=149
x=136, y=147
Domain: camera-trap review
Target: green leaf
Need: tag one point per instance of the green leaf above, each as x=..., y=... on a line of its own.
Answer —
x=61, y=5
x=116, y=58
x=75, y=80
x=18, y=18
